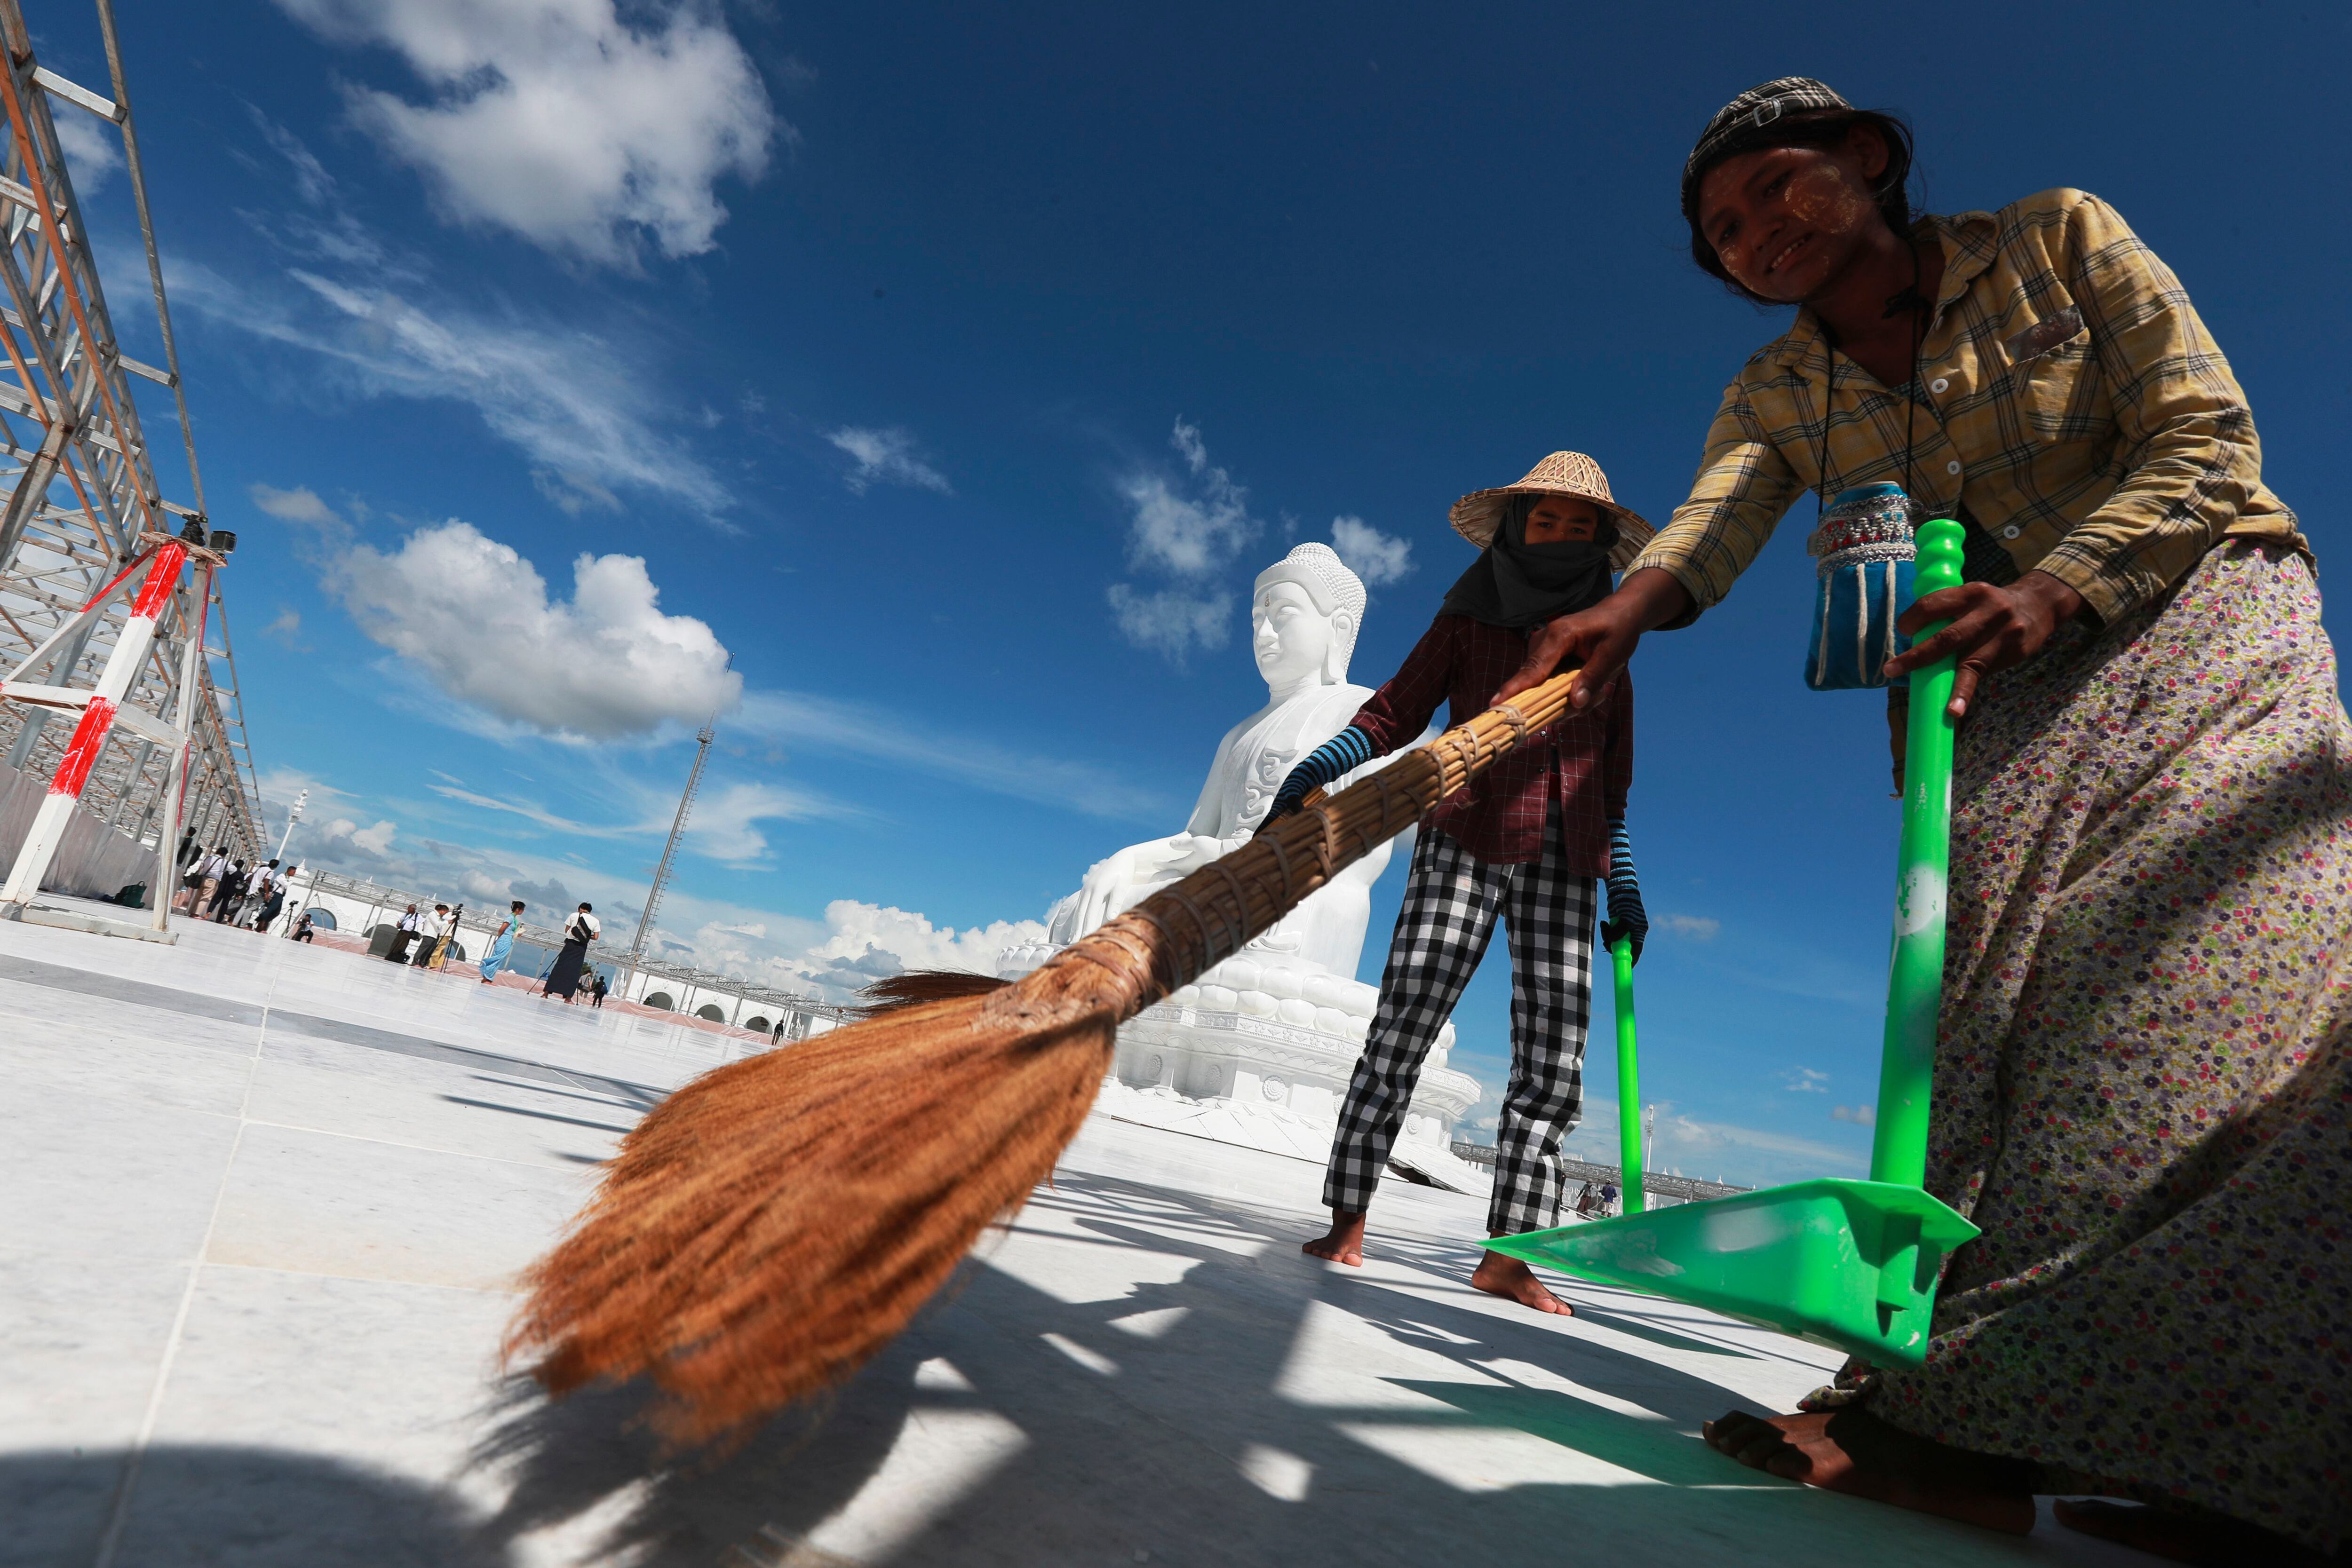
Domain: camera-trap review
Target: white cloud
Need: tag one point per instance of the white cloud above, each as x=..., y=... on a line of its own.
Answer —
x=93, y=152
x=559, y=119
x=573, y=491
x=884, y=457
x=579, y=407
x=1860, y=1115
x=1804, y=1080
x=1698, y=927
x=476, y=619
x=865, y=942
x=1379, y=559
x=1172, y=622
x=1189, y=535
x=301, y=505
x=374, y=842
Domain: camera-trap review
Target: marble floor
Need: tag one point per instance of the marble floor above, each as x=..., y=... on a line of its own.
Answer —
x=265, y=1204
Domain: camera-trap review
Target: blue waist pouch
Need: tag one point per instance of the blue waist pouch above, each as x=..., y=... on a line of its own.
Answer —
x=1863, y=552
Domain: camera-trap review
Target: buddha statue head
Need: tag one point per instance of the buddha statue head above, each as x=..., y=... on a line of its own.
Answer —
x=1303, y=620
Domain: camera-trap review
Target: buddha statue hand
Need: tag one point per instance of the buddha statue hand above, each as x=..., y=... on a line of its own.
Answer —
x=1627, y=918
x=1348, y=749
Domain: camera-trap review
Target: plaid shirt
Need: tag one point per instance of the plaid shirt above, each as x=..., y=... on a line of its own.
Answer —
x=1583, y=762
x=2075, y=408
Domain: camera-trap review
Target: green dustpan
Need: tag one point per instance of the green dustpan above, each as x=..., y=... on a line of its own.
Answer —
x=1847, y=1263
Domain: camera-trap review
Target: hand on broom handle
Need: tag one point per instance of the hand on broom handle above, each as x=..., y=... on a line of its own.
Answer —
x=1181, y=931
x=1898, y=1150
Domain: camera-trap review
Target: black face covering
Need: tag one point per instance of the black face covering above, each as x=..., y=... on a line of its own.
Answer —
x=1514, y=584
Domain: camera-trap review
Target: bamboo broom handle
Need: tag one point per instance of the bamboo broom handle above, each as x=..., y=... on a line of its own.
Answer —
x=1181, y=931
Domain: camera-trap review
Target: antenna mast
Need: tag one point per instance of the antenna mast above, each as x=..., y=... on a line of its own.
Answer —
x=669, y=849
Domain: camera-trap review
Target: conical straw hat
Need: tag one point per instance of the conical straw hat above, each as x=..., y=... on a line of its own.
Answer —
x=1475, y=515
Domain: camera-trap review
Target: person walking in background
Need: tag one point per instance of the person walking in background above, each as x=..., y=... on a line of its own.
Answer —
x=404, y=932
x=205, y=884
x=578, y=931
x=597, y=992
x=436, y=931
x=273, y=897
x=502, y=943
x=229, y=893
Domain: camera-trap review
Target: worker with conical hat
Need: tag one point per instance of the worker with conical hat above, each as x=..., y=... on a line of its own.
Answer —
x=1525, y=843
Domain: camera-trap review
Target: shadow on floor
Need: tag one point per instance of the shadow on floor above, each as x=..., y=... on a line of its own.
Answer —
x=256, y=1508
x=1164, y=1421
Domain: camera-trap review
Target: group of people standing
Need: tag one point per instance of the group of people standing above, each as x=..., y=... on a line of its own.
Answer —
x=224, y=889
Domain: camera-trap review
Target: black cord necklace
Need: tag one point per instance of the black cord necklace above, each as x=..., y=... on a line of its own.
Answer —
x=1908, y=299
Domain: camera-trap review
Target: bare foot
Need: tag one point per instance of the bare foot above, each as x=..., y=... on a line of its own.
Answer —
x=2184, y=1538
x=1344, y=1244
x=1853, y=1451
x=1513, y=1280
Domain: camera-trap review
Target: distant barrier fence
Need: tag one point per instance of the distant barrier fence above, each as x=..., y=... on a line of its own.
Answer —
x=1654, y=1184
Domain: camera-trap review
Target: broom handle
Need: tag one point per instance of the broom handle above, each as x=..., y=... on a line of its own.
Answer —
x=1181, y=931
x=1915, y=984
x=1629, y=1080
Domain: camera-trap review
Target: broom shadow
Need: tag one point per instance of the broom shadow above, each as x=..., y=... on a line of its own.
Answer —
x=1145, y=1441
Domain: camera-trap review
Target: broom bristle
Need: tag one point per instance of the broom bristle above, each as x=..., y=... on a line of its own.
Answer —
x=917, y=985
x=769, y=1227
x=773, y=1224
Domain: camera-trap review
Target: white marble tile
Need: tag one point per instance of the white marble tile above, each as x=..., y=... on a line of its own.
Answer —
x=84, y=1339
x=96, y=1173
x=320, y=1203
x=436, y=1105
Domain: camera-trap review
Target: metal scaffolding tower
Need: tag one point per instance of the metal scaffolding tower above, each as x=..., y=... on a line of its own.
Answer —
x=79, y=483
x=669, y=851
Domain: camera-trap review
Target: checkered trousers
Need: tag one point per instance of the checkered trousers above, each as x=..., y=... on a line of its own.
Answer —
x=1451, y=901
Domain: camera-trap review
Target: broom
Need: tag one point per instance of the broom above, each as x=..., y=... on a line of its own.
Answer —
x=773, y=1224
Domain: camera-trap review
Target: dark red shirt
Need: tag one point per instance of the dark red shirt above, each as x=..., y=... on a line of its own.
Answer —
x=1582, y=762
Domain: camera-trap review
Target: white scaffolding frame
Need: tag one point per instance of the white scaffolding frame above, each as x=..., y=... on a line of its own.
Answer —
x=78, y=487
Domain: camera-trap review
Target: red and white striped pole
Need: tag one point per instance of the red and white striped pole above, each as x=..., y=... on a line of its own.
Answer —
x=89, y=736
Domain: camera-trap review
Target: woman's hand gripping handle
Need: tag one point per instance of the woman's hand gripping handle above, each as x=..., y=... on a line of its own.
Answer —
x=1600, y=640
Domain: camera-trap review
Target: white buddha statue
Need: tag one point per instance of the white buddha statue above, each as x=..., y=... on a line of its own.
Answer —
x=1304, y=617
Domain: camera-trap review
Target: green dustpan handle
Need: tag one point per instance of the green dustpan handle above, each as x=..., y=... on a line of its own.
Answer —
x=1899, y=1151
x=1629, y=1085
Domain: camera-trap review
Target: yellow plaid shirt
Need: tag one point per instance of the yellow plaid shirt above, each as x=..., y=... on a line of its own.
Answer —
x=2075, y=407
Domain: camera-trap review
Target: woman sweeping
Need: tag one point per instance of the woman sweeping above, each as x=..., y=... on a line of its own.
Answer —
x=502, y=943
x=1525, y=844
x=2142, y=1084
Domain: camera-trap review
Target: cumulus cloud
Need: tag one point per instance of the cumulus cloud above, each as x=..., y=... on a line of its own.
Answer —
x=1379, y=559
x=1804, y=1080
x=374, y=842
x=584, y=132
x=1698, y=927
x=1190, y=529
x=1172, y=622
x=866, y=942
x=475, y=618
x=1860, y=1115
x=884, y=457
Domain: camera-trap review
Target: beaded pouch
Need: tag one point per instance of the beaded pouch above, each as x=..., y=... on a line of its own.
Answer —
x=1863, y=553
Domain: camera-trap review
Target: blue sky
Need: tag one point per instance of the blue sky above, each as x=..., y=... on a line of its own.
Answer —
x=841, y=343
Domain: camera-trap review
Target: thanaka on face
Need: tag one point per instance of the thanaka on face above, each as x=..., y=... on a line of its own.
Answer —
x=1785, y=222
x=1562, y=519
